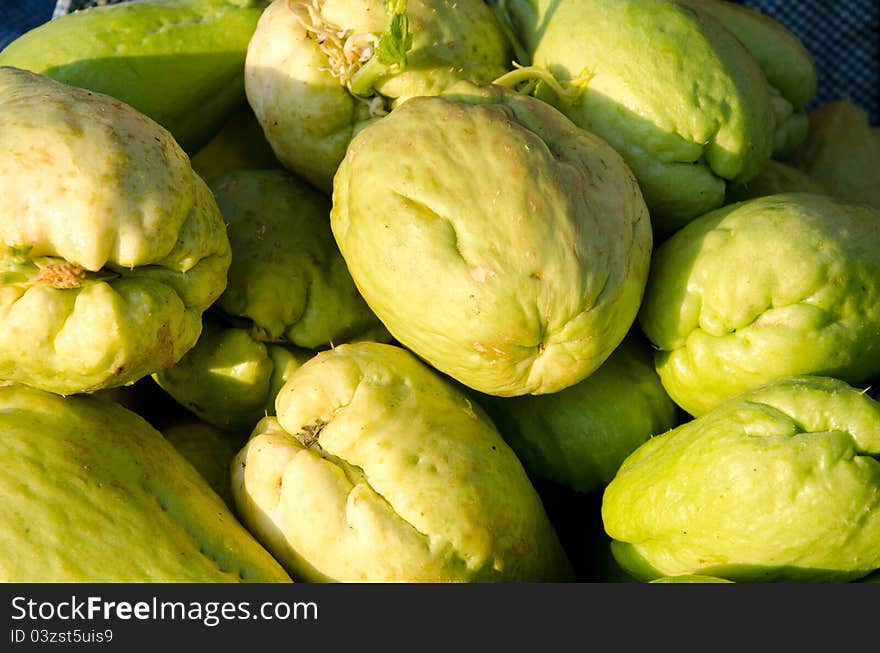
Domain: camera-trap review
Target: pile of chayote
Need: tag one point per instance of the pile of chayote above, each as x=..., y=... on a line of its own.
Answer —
x=434, y=291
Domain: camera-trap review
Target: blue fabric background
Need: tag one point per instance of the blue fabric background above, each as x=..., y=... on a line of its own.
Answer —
x=842, y=35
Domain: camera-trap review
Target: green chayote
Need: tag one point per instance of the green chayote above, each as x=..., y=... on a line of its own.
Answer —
x=317, y=71
x=781, y=483
x=92, y=493
x=287, y=279
x=669, y=87
x=229, y=379
x=509, y=249
x=579, y=436
x=376, y=469
x=769, y=287
x=111, y=247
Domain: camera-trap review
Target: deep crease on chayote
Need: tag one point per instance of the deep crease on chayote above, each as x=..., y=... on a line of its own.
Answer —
x=314, y=74
x=377, y=469
x=509, y=249
x=111, y=247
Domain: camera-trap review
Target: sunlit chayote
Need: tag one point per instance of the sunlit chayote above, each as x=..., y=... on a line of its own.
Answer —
x=669, y=87
x=229, y=379
x=781, y=483
x=317, y=71
x=579, y=436
x=769, y=287
x=92, y=493
x=509, y=249
x=287, y=277
x=785, y=60
x=377, y=469
x=111, y=247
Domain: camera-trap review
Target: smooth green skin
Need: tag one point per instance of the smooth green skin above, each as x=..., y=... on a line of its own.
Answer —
x=92, y=493
x=208, y=449
x=781, y=483
x=786, y=62
x=842, y=151
x=528, y=304
x=180, y=62
x=770, y=287
x=674, y=91
x=287, y=274
x=229, y=379
x=239, y=145
x=309, y=117
x=579, y=436
x=776, y=177
x=377, y=469
x=87, y=180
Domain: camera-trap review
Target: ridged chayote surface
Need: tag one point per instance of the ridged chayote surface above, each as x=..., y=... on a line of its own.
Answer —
x=781, y=483
x=110, y=246
x=378, y=469
x=769, y=287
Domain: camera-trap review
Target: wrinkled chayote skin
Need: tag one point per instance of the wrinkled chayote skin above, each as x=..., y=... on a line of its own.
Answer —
x=671, y=89
x=111, y=247
x=180, y=62
x=376, y=469
x=781, y=483
x=775, y=177
x=208, y=449
x=842, y=151
x=309, y=115
x=579, y=436
x=287, y=276
x=786, y=62
x=509, y=249
x=229, y=379
x=92, y=493
x=774, y=286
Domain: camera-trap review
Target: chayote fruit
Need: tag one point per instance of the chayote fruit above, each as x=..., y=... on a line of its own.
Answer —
x=509, y=249
x=842, y=151
x=781, y=483
x=180, y=62
x=774, y=286
x=317, y=71
x=208, y=449
x=110, y=246
x=92, y=493
x=377, y=469
x=287, y=277
x=786, y=62
x=670, y=88
x=579, y=436
x=229, y=379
